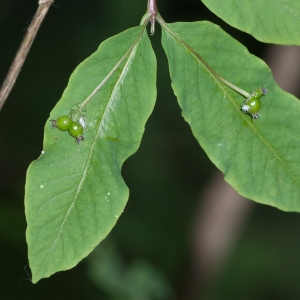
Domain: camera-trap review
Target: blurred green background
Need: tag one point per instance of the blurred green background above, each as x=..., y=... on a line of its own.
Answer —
x=148, y=253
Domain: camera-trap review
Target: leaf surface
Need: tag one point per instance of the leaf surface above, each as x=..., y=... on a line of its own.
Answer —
x=259, y=158
x=75, y=193
x=270, y=21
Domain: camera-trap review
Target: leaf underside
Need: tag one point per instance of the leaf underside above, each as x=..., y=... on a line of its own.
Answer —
x=259, y=158
x=268, y=21
x=75, y=193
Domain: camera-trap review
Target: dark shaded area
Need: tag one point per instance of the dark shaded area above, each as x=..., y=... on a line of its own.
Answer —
x=165, y=176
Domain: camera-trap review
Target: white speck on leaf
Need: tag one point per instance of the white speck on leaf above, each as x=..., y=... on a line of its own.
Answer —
x=82, y=122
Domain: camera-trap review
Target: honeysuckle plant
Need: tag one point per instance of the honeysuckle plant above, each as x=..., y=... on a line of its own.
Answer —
x=75, y=193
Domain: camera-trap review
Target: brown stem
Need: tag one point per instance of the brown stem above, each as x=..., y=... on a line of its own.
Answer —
x=152, y=10
x=21, y=55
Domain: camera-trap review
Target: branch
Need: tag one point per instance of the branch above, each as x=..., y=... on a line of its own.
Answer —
x=152, y=10
x=21, y=55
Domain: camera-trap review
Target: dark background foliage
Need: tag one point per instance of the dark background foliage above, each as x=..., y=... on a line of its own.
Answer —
x=166, y=177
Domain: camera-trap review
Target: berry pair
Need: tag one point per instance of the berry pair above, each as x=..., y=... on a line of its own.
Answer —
x=65, y=123
x=252, y=104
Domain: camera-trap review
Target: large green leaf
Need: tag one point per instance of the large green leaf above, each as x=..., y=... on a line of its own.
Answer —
x=75, y=193
x=259, y=158
x=269, y=21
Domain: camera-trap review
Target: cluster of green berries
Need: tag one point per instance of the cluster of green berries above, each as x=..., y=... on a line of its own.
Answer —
x=252, y=104
x=75, y=129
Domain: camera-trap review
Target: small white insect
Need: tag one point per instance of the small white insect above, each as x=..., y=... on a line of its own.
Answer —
x=82, y=122
x=245, y=108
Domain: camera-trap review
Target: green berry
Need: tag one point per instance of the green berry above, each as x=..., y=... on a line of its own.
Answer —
x=254, y=106
x=256, y=94
x=259, y=92
x=76, y=130
x=63, y=123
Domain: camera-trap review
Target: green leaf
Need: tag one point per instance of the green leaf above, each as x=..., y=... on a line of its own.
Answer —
x=75, y=193
x=269, y=21
x=259, y=158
